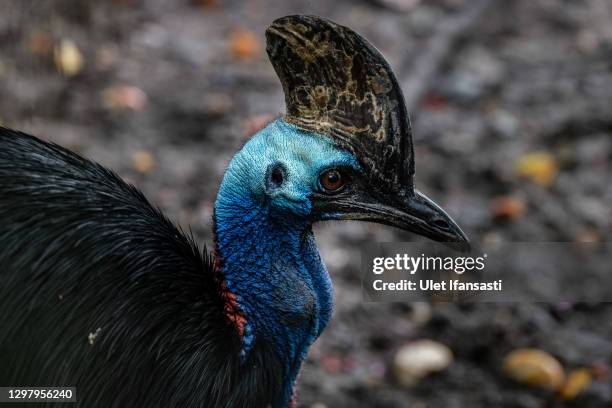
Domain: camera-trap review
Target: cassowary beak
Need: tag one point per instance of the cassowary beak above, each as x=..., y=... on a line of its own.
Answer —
x=413, y=212
x=419, y=214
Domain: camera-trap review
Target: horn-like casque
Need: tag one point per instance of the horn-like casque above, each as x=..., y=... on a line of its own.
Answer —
x=336, y=83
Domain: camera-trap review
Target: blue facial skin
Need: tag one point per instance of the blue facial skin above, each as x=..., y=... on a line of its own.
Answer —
x=268, y=253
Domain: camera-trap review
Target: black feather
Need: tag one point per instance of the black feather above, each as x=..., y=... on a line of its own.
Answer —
x=100, y=291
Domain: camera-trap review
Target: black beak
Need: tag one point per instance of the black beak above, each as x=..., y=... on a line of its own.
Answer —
x=413, y=212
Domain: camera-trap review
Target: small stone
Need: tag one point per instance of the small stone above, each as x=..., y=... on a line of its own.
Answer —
x=534, y=367
x=107, y=56
x=577, y=381
x=539, y=167
x=418, y=359
x=587, y=41
x=68, y=58
x=143, y=161
x=504, y=124
x=124, y=97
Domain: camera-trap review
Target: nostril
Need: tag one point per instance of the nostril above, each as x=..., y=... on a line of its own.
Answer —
x=441, y=224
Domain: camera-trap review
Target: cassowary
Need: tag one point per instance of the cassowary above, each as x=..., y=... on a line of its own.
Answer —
x=100, y=291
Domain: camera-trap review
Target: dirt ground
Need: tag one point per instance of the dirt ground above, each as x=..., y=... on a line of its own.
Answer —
x=164, y=92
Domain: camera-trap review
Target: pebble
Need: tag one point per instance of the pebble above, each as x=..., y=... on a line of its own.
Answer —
x=577, y=381
x=68, y=58
x=418, y=359
x=504, y=124
x=534, y=367
x=143, y=161
x=124, y=97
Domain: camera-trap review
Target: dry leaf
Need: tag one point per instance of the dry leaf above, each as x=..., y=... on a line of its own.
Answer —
x=206, y=4
x=534, y=367
x=508, y=207
x=40, y=43
x=244, y=44
x=577, y=381
x=539, y=167
x=68, y=58
x=143, y=161
x=601, y=371
x=124, y=97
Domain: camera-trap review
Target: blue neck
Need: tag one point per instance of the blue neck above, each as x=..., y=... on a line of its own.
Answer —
x=270, y=262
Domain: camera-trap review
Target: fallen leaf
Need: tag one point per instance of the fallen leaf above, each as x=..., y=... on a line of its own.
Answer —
x=68, y=58
x=508, y=208
x=434, y=102
x=143, y=161
x=332, y=364
x=539, y=167
x=601, y=371
x=243, y=44
x=206, y=4
x=40, y=43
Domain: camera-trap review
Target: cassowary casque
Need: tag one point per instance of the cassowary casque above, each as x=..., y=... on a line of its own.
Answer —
x=100, y=291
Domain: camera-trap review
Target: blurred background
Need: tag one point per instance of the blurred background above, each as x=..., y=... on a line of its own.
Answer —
x=511, y=106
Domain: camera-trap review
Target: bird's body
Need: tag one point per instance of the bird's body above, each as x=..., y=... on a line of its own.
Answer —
x=100, y=291
x=106, y=294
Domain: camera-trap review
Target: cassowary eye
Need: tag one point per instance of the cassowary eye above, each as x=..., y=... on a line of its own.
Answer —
x=332, y=180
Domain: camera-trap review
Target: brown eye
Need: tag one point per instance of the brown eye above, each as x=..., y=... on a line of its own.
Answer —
x=332, y=180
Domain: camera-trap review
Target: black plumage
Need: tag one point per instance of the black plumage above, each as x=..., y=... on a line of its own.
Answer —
x=146, y=328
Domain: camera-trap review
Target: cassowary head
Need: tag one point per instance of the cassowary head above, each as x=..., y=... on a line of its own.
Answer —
x=343, y=151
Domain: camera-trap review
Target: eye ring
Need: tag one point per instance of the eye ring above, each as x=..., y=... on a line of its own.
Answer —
x=332, y=180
